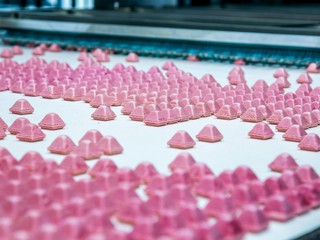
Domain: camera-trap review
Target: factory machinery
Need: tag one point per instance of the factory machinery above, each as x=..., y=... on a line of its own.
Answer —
x=287, y=36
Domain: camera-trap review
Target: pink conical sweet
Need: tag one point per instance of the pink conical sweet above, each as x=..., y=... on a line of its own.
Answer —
x=313, y=68
x=209, y=134
x=156, y=118
x=52, y=121
x=103, y=57
x=51, y=92
x=301, y=120
x=311, y=119
x=88, y=150
x=281, y=72
x=127, y=175
x=21, y=107
x=276, y=117
x=208, y=186
x=17, y=50
x=74, y=164
x=83, y=56
x=198, y=171
x=145, y=171
x=183, y=161
x=283, y=162
x=103, y=113
x=6, y=53
x=181, y=140
x=279, y=208
x=18, y=125
x=31, y=133
x=62, y=145
x=261, y=131
x=109, y=145
x=285, y=124
x=103, y=166
x=31, y=160
x=92, y=135
x=239, y=62
x=304, y=78
x=168, y=65
x=139, y=113
x=193, y=58
x=38, y=51
x=132, y=57
x=252, y=219
x=310, y=142
x=54, y=48
x=219, y=205
x=283, y=82
x=227, y=112
x=289, y=180
x=295, y=133
x=307, y=174
x=128, y=107
x=244, y=174
x=252, y=114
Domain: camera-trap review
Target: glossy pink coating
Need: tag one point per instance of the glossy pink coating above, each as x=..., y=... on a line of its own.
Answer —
x=132, y=57
x=92, y=135
x=252, y=114
x=74, y=164
x=145, y=171
x=38, y=51
x=103, y=165
x=226, y=112
x=253, y=219
x=139, y=113
x=17, y=50
x=88, y=150
x=283, y=162
x=304, y=78
x=310, y=142
x=31, y=133
x=21, y=107
x=52, y=121
x=103, y=113
x=132, y=211
x=31, y=160
x=109, y=145
x=285, y=124
x=128, y=107
x=279, y=208
x=301, y=120
x=181, y=140
x=307, y=174
x=208, y=186
x=313, y=68
x=209, y=134
x=219, y=205
x=260, y=190
x=63, y=144
x=261, y=131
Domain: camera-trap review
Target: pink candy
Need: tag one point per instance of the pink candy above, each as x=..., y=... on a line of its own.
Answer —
x=261, y=131
x=181, y=140
x=132, y=57
x=310, y=142
x=62, y=145
x=22, y=107
x=209, y=134
x=31, y=133
x=283, y=162
x=52, y=121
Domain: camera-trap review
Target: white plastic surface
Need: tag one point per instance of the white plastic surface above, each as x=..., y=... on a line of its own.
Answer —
x=144, y=143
